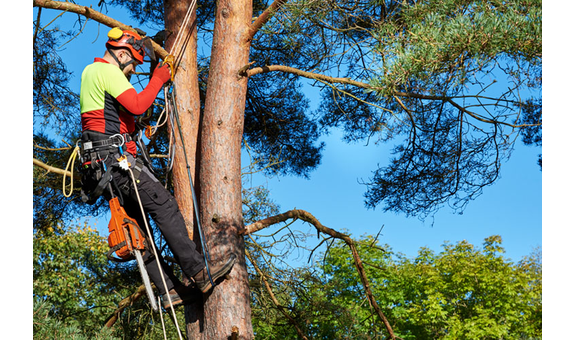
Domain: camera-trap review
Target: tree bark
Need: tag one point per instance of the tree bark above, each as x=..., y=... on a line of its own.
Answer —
x=227, y=307
x=187, y=104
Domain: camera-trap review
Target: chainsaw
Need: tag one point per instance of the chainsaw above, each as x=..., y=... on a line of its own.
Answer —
x=127, y=240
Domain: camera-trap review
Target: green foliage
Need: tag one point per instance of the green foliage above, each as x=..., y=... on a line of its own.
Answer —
x=460, y=293
x=76, y=289
x=47, y=326
x=463, y=292
x=437, y=40
x=69, y=270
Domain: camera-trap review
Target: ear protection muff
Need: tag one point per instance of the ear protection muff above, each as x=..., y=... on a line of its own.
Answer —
x=115, y=33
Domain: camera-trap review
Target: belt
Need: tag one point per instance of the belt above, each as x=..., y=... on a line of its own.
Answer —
x=117, y=140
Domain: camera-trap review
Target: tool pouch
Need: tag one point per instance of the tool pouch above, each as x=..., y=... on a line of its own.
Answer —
x=94, y=176
x=125, y=234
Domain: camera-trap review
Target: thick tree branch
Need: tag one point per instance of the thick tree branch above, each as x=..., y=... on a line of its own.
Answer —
x=307, y=217
x=333, y=80
x=310, y=75
x=262, y=19
x=89, y=13
x=51, y=168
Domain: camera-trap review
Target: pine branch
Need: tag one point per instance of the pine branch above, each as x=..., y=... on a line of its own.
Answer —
x=263, y=18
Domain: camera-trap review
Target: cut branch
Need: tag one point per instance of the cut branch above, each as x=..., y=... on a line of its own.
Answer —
x=89, y=13
x=310, y=75
x=307, y=217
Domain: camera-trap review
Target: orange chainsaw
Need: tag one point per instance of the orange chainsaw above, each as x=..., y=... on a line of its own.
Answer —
x=127, y=240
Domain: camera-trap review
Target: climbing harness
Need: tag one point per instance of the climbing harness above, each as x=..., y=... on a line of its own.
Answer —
x=94, y=173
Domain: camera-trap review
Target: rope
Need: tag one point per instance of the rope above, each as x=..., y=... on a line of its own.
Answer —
x=162, y=319
x=175, y=47
x=185, y=22
x=70, y=165
x=153, y=246
x=174, y=112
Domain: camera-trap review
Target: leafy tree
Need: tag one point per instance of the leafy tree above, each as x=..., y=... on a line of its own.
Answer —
x=77, y=290
x=66, y=262
x=461, y=293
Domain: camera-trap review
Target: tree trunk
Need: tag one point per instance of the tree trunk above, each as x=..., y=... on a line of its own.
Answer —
x=188, y=105
x=226, y=309
x=228, y=306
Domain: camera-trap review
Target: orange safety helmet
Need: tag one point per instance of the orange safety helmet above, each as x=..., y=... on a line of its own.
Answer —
x=127, y=39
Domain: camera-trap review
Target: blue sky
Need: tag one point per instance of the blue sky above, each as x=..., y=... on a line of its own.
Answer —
x=333, y=194
x=511, y=208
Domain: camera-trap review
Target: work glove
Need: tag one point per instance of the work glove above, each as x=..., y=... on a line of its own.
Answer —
x=162, y=72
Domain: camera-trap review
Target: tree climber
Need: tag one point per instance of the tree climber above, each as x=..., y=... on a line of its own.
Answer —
x=109, y=107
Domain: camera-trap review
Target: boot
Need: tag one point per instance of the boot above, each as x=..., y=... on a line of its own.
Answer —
x=180, y=295
x=217, y=270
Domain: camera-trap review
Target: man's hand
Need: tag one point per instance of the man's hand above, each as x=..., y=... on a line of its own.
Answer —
x=162, y=72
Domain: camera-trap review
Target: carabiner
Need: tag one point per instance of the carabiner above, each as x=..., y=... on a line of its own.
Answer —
x=169, y=59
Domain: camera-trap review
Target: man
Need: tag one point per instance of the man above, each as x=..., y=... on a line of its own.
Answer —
x=109, y=106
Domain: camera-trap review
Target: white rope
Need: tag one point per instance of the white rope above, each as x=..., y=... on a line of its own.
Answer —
x=162, y=319
x=185, y=22
x=153, y=246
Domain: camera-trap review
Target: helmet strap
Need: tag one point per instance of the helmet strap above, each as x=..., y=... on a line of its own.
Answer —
x=122, y=66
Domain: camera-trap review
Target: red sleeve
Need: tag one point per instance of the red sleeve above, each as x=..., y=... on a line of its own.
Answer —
x=137, y=103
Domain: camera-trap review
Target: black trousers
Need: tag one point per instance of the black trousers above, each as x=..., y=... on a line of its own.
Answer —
x=161, y=206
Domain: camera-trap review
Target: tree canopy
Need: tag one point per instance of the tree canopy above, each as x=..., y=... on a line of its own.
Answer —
x=452, y=84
